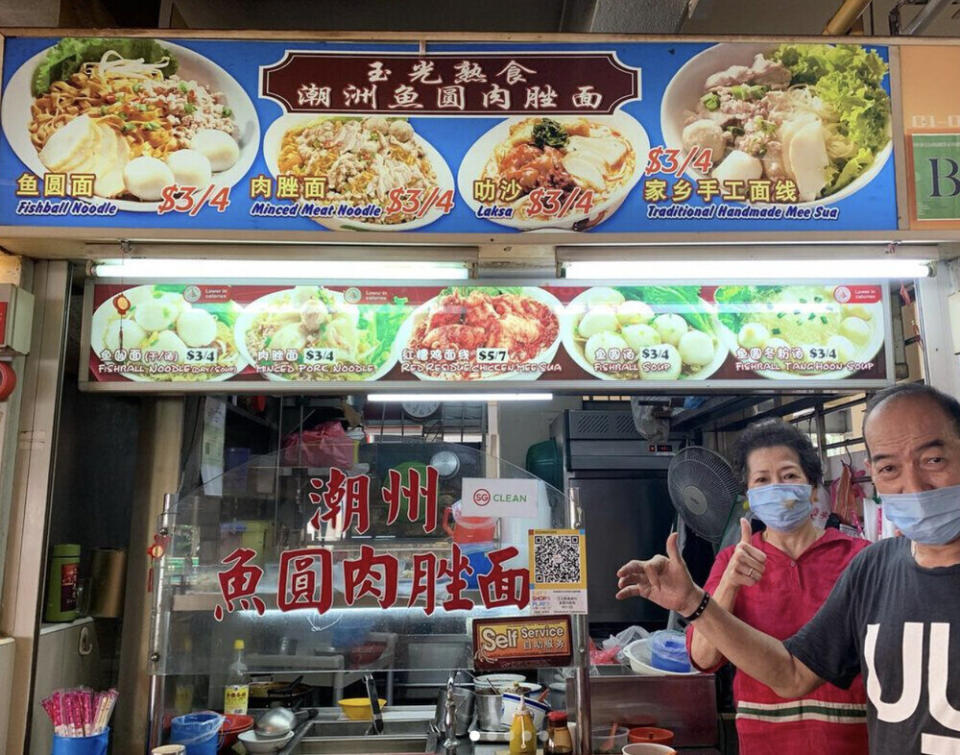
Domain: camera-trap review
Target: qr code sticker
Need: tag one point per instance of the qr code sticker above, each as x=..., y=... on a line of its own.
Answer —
x=556, y=559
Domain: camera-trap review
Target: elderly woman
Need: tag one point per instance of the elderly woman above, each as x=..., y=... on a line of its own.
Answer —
x=775, y=581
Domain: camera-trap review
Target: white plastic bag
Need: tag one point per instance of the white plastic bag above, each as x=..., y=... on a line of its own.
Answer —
x=624, y=638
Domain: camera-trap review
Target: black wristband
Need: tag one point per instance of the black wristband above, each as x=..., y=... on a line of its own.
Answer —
x=700, y=608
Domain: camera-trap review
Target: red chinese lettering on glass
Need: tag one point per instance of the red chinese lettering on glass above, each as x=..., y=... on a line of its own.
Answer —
x=306, y=580
x=349, y=496
x=396, y=493
x=429, y=571
x=239, y=583
x=371, y=574
x=504, y=587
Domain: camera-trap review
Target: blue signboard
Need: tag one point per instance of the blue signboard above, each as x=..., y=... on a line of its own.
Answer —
x=466, y=139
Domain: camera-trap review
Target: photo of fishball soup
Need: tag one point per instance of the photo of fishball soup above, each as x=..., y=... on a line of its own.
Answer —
x=799, y=325
x=642, y=332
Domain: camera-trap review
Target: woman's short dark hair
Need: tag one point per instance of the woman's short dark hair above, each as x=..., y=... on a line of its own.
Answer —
x=770, y=433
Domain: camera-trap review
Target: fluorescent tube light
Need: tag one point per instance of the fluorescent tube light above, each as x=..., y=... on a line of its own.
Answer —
x=458, y=397
x=223, y=269
x=840, y=270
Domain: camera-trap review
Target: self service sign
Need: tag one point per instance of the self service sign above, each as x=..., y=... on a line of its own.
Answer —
x=245, y=135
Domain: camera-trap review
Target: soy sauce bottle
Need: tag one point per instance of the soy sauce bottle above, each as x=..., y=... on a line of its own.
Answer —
x=559, y=741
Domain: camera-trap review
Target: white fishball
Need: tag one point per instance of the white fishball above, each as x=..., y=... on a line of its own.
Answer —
x=146, y=178
x=133, y=335
x=604, y=295
x=167, y=340
x=290, y=336
x=156, y=314
x=753, y=335
x=671, y=328
x=696, y=348
x=303, y=294
x=638, y=336
x=597, y=320
x=738, y=166
x=190, y=168
x=197, y=327
x=845, y=348
x=856, y=330
x=605, y=341
x=634, y=312
x=218, y=147
x=674, y=362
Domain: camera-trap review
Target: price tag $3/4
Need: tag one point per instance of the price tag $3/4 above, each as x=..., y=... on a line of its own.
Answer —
x=190, y=199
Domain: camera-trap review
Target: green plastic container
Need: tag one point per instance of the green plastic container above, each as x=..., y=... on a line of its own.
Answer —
x=544, y=461
x=62, y=583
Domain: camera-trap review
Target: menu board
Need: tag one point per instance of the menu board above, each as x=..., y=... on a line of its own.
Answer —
x=299, y=337
x=248, y=136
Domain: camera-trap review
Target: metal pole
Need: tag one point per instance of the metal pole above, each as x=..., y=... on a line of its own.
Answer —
x=160, y=635
x=581, y=653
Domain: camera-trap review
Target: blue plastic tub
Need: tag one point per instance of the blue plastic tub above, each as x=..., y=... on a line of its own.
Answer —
x=668, y=651
x=95, y=745
x=198, y=732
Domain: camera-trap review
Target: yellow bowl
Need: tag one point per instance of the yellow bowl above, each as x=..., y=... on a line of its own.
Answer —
x=358, y=708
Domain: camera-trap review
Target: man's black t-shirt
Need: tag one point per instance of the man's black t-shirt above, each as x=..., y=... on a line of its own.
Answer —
x=899, y=625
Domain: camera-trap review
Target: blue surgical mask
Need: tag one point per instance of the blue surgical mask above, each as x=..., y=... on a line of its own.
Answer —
x=781, y=507
x=930, y=517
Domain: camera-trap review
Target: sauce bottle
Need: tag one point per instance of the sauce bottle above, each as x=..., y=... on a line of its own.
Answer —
x=236, y=693
x=559, y=741
x=523, y=737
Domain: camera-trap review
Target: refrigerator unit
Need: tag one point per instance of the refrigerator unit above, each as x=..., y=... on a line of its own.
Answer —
x=627, y=513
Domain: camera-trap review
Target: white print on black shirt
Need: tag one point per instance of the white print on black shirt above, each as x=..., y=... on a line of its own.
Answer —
x=912, y=666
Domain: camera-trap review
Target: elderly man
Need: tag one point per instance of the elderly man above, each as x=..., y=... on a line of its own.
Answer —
x=894, y=614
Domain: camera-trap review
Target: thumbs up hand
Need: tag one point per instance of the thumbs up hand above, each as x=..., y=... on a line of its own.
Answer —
x=747, y=563
x=661, y=579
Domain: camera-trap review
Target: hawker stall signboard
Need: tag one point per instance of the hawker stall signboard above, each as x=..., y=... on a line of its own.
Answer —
x=296, y=337
x=931, y=124
x=271, y=137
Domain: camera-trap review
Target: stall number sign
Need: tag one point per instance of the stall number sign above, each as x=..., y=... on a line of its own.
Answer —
x=528, y=642
x=310, y=580
x=936, y=175
x=494, y=497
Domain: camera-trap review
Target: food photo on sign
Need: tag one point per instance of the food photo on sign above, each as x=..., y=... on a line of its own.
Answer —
x=637, y=137
x=326, y=336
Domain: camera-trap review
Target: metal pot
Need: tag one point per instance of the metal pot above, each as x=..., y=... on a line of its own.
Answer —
x=464, y=710
x=488, y=710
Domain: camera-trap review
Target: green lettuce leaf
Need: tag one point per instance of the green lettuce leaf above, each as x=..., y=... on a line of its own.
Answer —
x=847, y=79
x=682, y=300
x=67, y=56
x=734, y=303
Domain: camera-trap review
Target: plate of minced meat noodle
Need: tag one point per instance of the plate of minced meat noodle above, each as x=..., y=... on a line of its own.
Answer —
x=814, y=115
x=363, y=161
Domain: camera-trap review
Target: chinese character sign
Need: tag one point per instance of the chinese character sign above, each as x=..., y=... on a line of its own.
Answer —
x=246, y=138
x=478, y=83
